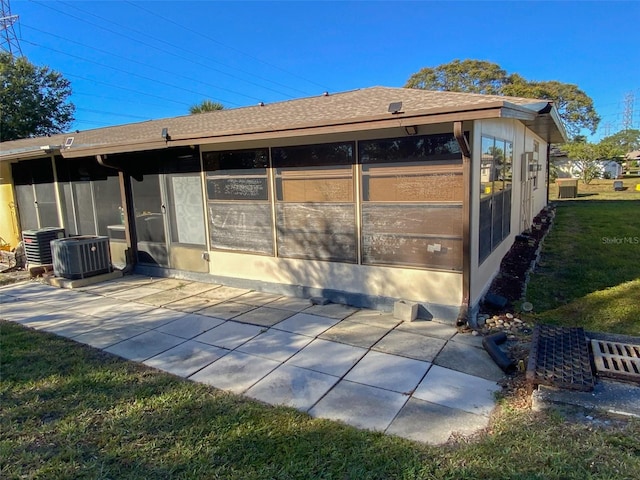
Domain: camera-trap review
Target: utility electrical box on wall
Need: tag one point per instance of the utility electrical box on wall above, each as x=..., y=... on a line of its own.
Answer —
x=527, y=163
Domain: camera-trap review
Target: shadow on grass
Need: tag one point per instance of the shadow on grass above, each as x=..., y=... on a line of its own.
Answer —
x=69, y=411
x=577, y=202
x=589, y=271
x=612, y=310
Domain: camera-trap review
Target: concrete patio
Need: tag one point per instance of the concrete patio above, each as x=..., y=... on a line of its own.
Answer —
x=420, y=380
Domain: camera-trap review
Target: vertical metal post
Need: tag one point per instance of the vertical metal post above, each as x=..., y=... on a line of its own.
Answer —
x=126, y=202
x=357, y=198
x=548, y=170
x=56, y=191
x=466, y=223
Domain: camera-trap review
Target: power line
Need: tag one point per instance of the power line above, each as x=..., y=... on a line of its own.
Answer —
x=227, y=46
x=188, y=90
x=114, y=114
x=139, y=92
x=199, y=54
x=155, y=47
x=93, y=122
x=116, y=99
x=144, y=64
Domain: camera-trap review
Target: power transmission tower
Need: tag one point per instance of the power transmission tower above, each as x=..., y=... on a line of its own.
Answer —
x=9, y=42
x=627, y=116
x=607, y=129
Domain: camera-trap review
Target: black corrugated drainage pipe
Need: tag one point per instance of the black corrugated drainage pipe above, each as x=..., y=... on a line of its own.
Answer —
x=463, y=315
x=491, y=343
x=126, y=201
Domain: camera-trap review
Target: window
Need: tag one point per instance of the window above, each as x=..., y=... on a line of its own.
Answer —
x=239, y=206
x=496, y=178
x=315, y=206
x=412, y=195
x=186, y=221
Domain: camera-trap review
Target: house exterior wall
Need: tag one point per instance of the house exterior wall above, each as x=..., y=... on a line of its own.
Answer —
x=483, y=272
x=540, y=193
x=9, y=230
x=439, y=292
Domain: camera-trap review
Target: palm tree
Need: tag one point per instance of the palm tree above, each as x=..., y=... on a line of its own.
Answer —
x=205, y=106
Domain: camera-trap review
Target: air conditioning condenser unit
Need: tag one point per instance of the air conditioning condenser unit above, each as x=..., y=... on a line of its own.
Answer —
x=81, y=257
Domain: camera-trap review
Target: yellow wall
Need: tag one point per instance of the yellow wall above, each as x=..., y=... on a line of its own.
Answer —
x=8, y=216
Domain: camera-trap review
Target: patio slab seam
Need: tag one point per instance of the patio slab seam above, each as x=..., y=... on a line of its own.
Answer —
x=270, y=370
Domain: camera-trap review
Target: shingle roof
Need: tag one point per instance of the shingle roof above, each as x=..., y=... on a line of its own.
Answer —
x=334, y=109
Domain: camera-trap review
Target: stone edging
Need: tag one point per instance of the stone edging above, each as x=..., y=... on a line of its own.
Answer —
x=534, y=263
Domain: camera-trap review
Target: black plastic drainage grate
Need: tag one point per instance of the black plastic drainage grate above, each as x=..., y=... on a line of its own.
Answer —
x=559, y=357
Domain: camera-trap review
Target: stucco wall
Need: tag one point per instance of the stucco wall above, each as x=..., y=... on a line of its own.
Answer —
x=9, y=230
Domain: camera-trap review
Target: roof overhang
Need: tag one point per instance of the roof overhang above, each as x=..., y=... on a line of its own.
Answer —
x=30, y=153
x=378, y=122
x=540, y=117
x=549, y=126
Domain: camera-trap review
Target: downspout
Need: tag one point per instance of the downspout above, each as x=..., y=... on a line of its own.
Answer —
x=548, y=109
x=126, y=201
x=463, y=316
x=548, y=170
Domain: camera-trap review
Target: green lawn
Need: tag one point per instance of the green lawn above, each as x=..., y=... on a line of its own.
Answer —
x=71, y=412
x=589, y=274
x=601, y=190
x=68, y=411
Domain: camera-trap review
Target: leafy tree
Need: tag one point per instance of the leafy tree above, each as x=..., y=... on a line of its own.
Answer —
x=472, y=76
x=574, y=106
x=479, y=76
x=626, y=140
x=205, y=106
x=33, y=100
x=586, y=157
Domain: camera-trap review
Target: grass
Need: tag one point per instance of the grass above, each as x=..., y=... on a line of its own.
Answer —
x=601, y=190
x=589, y=274
x=69, y=411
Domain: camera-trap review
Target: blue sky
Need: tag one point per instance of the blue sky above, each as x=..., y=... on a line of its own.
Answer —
x=131, y=61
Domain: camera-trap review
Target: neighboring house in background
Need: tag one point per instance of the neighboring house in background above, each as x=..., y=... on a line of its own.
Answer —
x=632, y=162
x=564, y=167
x=363, y=197
x=611, y=169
